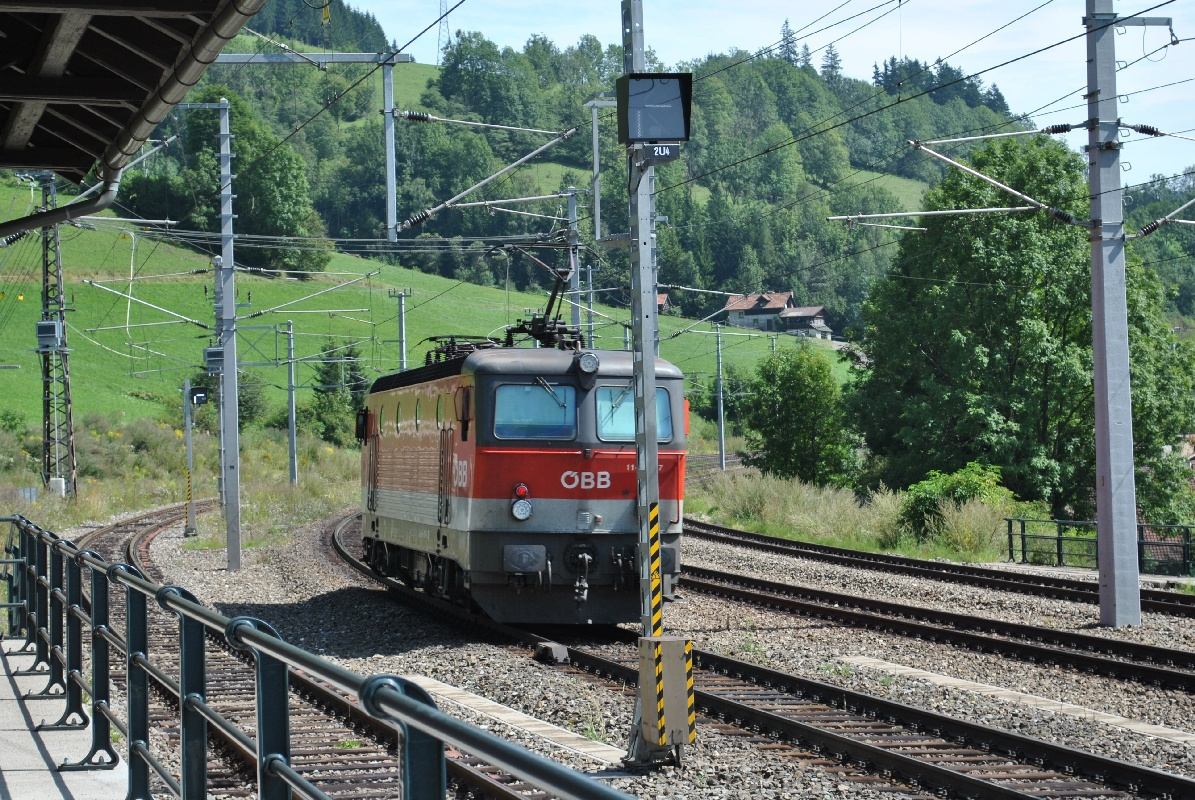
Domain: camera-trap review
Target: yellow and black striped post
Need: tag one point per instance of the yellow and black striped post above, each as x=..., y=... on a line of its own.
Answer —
x=690, y=700
x=657, y=581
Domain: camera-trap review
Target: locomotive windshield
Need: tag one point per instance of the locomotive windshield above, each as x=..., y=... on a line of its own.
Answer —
x=535, y=411
x=616, y=414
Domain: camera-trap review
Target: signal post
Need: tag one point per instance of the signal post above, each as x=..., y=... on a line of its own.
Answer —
x=653, y=119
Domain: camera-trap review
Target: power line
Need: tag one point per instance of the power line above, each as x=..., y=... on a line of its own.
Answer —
x=801, y=138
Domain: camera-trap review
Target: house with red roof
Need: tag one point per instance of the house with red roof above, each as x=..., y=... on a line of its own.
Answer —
x=776, y=311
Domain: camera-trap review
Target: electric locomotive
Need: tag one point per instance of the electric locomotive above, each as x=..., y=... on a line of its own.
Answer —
x=504, y=479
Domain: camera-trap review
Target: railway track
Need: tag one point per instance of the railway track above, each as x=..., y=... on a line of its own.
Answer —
x=864, y=739
x=1153, y=600
x=1159, y=666
x=343, y=752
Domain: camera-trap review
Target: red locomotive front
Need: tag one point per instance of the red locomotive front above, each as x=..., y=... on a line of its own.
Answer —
x=519, y=495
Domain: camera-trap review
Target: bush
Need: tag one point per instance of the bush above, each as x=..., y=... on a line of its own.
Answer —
x=14, y=423
x=788, y=508
x=923, y=510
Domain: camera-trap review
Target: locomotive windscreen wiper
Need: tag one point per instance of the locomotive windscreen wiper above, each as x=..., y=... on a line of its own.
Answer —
x=548, y=388
x=621, y=396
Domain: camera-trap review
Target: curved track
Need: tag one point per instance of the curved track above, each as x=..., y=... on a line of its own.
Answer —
x=874, y=741
x=341, y=749
x=1154, y=600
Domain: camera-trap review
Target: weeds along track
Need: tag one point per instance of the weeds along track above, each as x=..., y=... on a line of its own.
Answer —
x=1081, y=591
x=860, y=739
x=343, y=752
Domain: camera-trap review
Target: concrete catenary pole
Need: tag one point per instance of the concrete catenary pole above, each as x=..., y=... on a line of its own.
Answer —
x=1116, y=498
x=291, y=421
x=721, y=414
x=391, y=168
x=574, y=280
x=189, y=529
x=230, y=455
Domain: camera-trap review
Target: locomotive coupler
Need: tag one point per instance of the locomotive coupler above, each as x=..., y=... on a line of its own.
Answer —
x=624, y=568
x=582, y=584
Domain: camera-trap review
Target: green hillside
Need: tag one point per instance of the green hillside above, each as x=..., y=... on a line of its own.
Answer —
x=128, y=359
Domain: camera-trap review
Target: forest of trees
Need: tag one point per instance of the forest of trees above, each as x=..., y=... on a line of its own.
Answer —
x=777, y=146
x=971, y=340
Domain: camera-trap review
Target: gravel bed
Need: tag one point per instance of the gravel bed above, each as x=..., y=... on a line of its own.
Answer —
x=308, y=599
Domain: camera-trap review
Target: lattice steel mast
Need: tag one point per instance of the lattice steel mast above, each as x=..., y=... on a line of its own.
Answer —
x=443, y=35
x=59, y=469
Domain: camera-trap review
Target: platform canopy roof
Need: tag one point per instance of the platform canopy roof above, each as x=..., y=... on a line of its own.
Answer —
x=87, y=81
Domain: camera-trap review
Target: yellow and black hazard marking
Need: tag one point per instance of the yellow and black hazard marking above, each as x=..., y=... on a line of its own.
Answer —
x=657, y=588
x=661, y=725
x=689, y=691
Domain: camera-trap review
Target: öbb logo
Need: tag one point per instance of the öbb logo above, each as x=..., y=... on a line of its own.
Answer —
x=585, y=480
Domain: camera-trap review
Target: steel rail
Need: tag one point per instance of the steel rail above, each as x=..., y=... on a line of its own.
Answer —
x=1065, y=760
x=875, y=758
x=1158, y=601
x=388, y=697
x=963, y=629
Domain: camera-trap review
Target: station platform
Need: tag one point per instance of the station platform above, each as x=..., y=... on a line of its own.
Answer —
x=28, y=757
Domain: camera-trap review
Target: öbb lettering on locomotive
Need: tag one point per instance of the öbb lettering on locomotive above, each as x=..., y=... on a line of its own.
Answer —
x=504, y=480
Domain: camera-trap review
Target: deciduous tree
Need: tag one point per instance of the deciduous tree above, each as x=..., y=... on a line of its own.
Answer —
x=796, y=420
x=978, y=346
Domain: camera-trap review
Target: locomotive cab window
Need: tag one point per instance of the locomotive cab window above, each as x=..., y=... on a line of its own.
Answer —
x=616, y=414
x=539, y=410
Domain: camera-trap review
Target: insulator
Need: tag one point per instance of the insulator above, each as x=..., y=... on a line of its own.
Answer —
x=416, y=116
x=1062, y=215
x=418, y=219
x=1052, y=129
x=1148, y=130
x=1150, y=228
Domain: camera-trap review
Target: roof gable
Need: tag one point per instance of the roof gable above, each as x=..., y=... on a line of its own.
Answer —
x=756, y=303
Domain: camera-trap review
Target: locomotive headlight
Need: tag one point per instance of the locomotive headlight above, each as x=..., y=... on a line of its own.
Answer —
x=521, y=509
x=588, y=363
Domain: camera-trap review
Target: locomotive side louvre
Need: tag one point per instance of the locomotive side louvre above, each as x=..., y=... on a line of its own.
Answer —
x=447, y=447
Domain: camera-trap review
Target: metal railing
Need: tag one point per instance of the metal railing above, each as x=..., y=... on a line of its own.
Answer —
x=45, y=585
x=1161, y=549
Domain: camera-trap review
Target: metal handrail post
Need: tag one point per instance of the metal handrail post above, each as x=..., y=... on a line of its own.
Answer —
x=273, y=712
x=1140, y=548
x=57, y=610
x=1186, y=551
x=1010, y=553
x=15, y=577
x=136, y=637
x=12, y=569
x=1024, y=547
x=102, y=754
x=39, y=618
x=192, y=688
x=29, y=587
x=1058, y=546
x=73, y=608
x=424, y=773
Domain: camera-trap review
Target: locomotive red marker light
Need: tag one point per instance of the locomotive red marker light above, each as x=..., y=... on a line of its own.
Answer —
x=521, y=491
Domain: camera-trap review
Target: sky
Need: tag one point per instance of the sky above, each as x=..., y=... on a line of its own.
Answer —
x=1054, y=80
